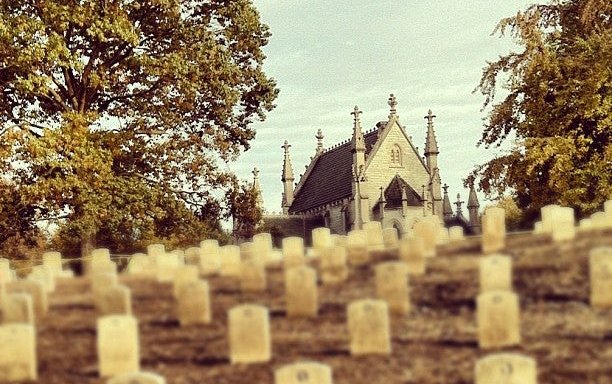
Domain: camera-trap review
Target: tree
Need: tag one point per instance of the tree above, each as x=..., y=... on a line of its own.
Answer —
x=557, y=108
x=245, y=210
x=119, y=114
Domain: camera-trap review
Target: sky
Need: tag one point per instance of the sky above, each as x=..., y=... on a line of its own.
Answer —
x=328, y=56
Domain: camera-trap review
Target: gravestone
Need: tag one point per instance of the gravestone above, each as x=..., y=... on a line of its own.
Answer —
x=301, y=292
x=412, y=252
x=6, y=273
x=368, y=324
x=230, y=260
x=166, y=266
x=101, y=262
x=140, y=264
x=599, y=220
x=339, y=240
x=493, y=230
x=333, y=265
x=547, y=213
x=303, y=373
x=390, y=237
x=392, y=286
x=428, y=231
x=498, y=319
x=180, y=256
x=17, y=353
x=537, y=227
x=209, y=257
x=102, y=281
x=115, y=300
x=154, y=250
x=600, y=271
x=246, y=250
x=563, y=224
x=137, y=378
x=249, y=334
x=253, y=276
x=443, y=236
x=17, y=308
x=357, y=247
x=506, y=368
x=495, y=273
x=185, y=275
x=53, y=261
x=192, y=256
x=117, y=345
x=293, y=251
x=262, y=247
x=455, y=233
x=373, y=230
x=585, y=224
x=43, y=274
x=36, y=290
x=321, y=239
x=194, y=303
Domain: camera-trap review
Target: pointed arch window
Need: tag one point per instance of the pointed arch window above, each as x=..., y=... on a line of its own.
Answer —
x=396, y=156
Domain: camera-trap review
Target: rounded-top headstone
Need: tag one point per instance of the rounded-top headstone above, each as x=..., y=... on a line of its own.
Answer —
x=506, y=368
x=303, y=373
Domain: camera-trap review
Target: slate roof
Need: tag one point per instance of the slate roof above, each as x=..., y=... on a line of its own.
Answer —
x=331, y=178
x=393, y=194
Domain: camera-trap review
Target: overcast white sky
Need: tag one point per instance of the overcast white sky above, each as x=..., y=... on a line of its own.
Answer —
x=328, y=56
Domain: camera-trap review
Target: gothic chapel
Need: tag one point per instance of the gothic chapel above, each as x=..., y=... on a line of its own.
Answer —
x=376, y=175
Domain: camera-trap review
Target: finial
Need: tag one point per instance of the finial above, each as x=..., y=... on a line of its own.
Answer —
x=319, y=136
x=255, y=173
x=356, y=112
x=392, y=103
x=430, y=116
x=458, y=204
x=445, y=187
x=286, y=146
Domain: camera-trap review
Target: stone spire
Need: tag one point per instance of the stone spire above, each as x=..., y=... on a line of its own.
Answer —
x=257, y=187
x=458, y=203
x=287, y=179
x=431, y=158
x=319, y=136
x=358, y=140
x=447, y=209
x=360, y=200
x=473, y=206
x=431, y=145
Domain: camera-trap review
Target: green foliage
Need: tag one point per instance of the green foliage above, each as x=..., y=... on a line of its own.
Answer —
x=117, y=116
x=558, y=108
x=245, y=210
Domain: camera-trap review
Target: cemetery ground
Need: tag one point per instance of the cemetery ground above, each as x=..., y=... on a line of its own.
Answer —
x=436, y=342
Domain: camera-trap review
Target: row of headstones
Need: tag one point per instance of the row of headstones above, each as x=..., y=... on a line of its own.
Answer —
x=118, y=352
x=558, y=221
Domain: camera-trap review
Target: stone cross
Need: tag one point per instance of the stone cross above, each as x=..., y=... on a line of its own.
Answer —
x=356, y=112
x=430, y=116
x=458, y=204
x=392, y=103
x=286, y=146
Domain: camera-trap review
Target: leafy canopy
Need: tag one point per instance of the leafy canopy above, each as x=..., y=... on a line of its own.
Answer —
x=118, y=115
x=557, y=108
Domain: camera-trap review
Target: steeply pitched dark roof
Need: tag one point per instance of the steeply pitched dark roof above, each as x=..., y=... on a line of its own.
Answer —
x=331, y=178
x=393, y=194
